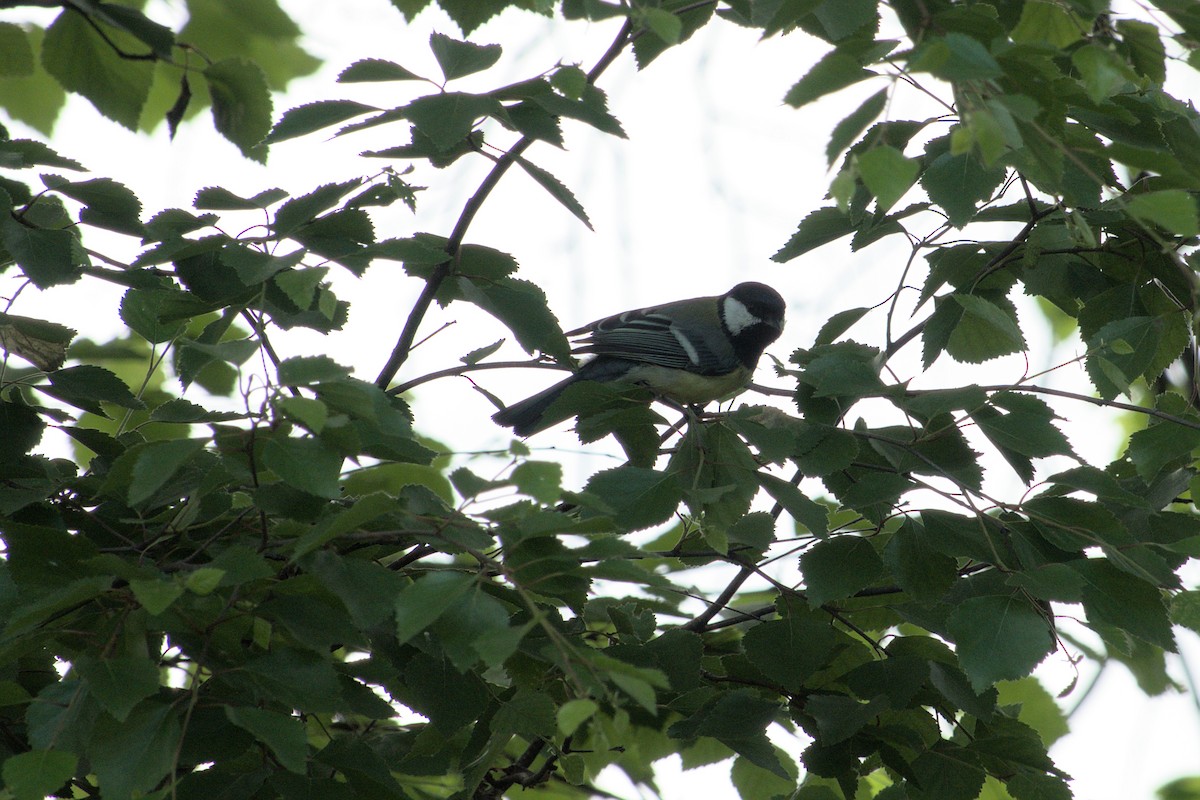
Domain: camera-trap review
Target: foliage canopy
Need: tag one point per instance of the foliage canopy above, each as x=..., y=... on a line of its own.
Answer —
x=238, y=602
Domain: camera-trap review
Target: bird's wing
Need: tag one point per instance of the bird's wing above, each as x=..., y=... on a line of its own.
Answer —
x=649, y=337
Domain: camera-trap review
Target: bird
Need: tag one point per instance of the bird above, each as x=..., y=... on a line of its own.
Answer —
x=691, y=351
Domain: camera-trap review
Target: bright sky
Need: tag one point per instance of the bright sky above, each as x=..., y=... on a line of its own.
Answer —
x=714, y=177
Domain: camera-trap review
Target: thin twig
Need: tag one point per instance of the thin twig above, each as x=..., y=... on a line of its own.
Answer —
x=463, y=369
x=1097, y=401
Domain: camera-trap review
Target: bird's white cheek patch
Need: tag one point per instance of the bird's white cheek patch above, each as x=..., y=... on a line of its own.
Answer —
x=737, y=317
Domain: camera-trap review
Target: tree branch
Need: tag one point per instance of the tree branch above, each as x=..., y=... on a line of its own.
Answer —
x=440, y=273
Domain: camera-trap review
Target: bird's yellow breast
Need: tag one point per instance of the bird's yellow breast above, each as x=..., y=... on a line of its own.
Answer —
x=688, y=387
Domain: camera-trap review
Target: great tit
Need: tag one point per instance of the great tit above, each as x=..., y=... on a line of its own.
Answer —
x=690, y=351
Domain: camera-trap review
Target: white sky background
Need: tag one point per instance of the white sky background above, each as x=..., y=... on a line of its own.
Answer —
x=714, y=177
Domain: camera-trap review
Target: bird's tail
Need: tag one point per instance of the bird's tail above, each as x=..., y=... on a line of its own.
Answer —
x=529, y=416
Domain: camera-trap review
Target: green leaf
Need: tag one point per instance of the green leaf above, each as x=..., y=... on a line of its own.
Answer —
x=234, y=351
x=544, y=565
x=16, y=54
x=156, y=596
x=570, y=80
x=836, y=70
x=1103, y=72
x=664, y=24
x=573, y=713
x=850, y=128
x=1185, y=610
x=311, y=117
x=180, y=410
x=481, y=353
x=25, y=153
x=981, y=330
x=820, y=227
x=300, y=285
x=872, y=494
x=448, y=118
x=1145, y=47
x=159, y=38
x=203, y=581
x=1044, y=23
x=458, y=58
x=541, y=480
x=107, y=204
x=898, y=678
x=34, y=98
x=956, y=57
x=639, y=497
x=422, y=602
x=310, y=413
x=999, y=637
x=824, y=449
x=218, y=198
x=305, y=464
x=719, y=474
x=842, y=369
x=1024, y=433
x=446, y=697
x=838, y=324
x=1114, y=597
x=556, y=189
x=375, y=69
x=1102, y=484
x=303, y=210
x=1038, y=709
x=1034, y=786
x=1126, y=349
x=36, y=774
x=1172, y=209
x=295, y=678
x=87, y=386
x=948, y=772
x=157, y=463
x=806, y=512
x=522, y=307
x=1073, y=524
x=310, y=370
x=1027, y=426
x=48, y=257
x=755, y=783
x=920, y=570
x=367, y=589
x=838, y=568
x=887, y=174
x=792, y=649
x=241, y=103
x=529, y=713
x=839, y=717
x=85, y=60
x=119, y=683
x=958, y=183
x=691, y=16
x=737, y=719
x=135, y=754
x=475, y=627
x=282, y=733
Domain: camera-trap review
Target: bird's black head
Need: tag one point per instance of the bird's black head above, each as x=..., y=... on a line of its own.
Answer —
x=752, y=313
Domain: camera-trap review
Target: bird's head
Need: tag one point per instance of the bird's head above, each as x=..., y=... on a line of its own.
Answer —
x=752, y=313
